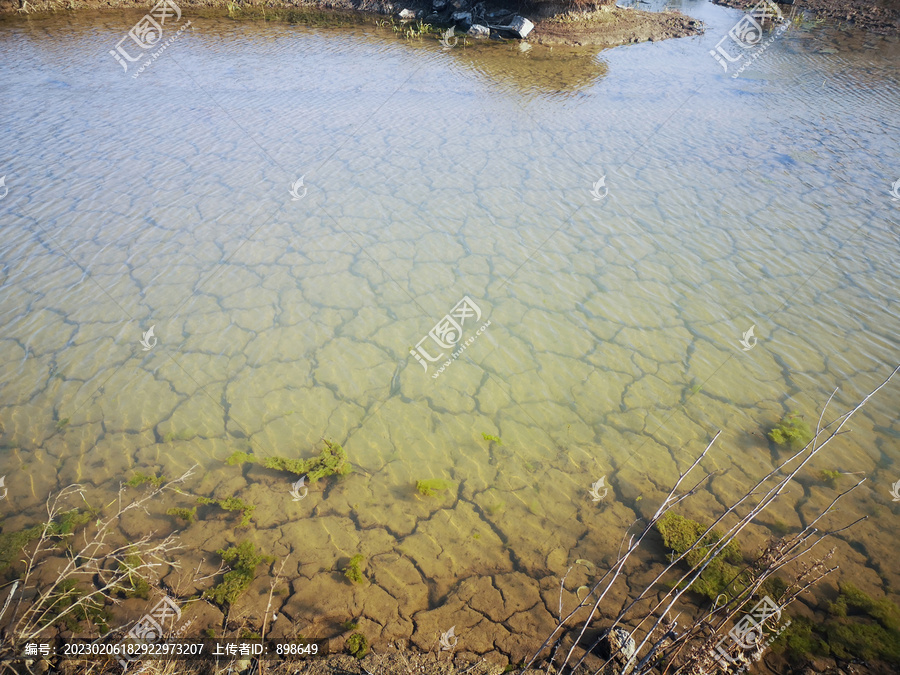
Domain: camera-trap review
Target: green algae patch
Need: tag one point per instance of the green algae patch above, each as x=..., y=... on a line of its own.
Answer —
x=139, y=478
x=12, y=543
x=230, y=504
x=791, y=431
x=429, y=488
x=857, y=627
x=187, y=515
x=680, y=534
x=243, y=560
x=358, y=645
x=330, y=462
x=353, y=570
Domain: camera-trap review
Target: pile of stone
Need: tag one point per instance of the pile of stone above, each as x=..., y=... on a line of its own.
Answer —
x=473, y=20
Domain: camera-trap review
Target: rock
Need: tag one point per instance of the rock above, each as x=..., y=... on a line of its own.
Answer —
x=438, y=5
x=462, y=18
x=478, y=31
x=460, y=5
x=407, y=14
x=621, y=643
x=520, y=26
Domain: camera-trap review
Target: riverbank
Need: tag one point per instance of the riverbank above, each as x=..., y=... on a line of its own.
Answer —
x=555, y=24
x=881, y=18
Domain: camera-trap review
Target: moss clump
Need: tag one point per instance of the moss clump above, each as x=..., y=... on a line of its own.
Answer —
x=188, y=515
x=232, y=504
x=140, y=478
x=243, y=560
x=791, y=431
x=350, y=625
x=358, y=645
x=680, y=534
x=353, y=570
x=492, y=439
x=860, y=627
x=331, y=461
x=62, y=424
x=429, y=488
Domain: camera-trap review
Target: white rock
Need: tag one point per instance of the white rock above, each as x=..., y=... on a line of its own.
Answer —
x=478, y=31
x=461, y=17
x=521, y=26
x=407, y=14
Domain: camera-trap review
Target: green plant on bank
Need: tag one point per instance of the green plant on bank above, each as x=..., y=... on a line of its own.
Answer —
x=351, y=624
x=430, y=487
x=492, y=439
x=188, y=515
x=353, y=570
x=232, y=504
x=791, y=431
x=830, y=478
x=243, y=560
x=859, y=627
x=680, y=534
x=358, y=645
x=331, y=461
x=418, y=29
x=139, y=478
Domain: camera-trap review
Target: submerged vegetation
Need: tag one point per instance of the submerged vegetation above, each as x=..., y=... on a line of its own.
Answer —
x=243, y=560
x=682, y=534
x=358, y=645
x=858, y=627
x=791, y=431
x=429, y=488
x=228, y=504
x=353, y=570
x=492, y=439
x=139, y=478
x=187, y=515
x=331, y=461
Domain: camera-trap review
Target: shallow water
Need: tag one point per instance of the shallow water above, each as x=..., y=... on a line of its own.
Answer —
x=431, y=175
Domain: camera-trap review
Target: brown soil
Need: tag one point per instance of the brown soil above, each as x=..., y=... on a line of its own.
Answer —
x=878, y=16
x=610, y=26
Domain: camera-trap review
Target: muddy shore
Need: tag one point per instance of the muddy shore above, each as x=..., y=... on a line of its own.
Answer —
x=606, y=26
